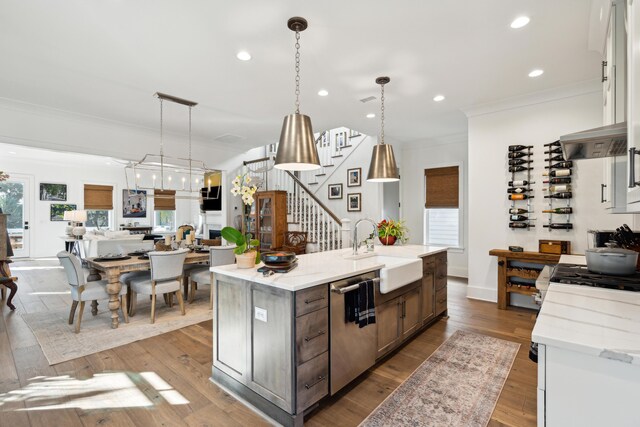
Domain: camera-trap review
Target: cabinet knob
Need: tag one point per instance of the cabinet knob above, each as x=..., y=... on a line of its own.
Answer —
x=501, y=263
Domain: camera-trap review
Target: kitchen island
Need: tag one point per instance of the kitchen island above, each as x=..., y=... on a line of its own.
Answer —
x=281, y=342
x=588, y=355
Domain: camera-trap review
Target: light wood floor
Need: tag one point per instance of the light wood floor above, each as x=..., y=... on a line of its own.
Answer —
x=183, y=360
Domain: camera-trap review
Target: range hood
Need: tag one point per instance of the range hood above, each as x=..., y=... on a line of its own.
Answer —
x=605, y=141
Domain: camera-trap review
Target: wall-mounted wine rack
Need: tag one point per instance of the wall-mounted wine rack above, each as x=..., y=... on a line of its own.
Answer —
x=558, y=188
x=519, y=187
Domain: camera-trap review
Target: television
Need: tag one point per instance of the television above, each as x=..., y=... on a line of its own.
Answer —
x=211, y=199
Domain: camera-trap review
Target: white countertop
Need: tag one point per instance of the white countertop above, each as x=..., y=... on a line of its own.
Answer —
x=324, y=267
x=596, y=321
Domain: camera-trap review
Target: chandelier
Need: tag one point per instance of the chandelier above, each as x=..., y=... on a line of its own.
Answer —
x=189, y=178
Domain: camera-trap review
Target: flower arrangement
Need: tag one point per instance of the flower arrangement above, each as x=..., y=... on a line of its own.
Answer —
x=389, y=231
x=241, y=186
x=3, y=176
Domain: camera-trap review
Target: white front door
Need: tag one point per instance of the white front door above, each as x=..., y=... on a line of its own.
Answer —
x=14, y=200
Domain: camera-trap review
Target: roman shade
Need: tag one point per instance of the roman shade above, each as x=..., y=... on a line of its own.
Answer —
x=164, y=200
x=441, y=188
x=98, y=197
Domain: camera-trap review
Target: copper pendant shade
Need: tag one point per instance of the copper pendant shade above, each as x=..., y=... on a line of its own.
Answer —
x=297, y=147
x=383, y=167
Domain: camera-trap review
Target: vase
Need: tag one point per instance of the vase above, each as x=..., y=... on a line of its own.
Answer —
x=246, y=260
x=388, y=241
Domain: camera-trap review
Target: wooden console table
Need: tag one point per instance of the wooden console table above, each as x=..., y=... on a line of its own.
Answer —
x=505, y=271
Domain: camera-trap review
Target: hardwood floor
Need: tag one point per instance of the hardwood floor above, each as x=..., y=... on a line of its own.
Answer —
x=162, y=373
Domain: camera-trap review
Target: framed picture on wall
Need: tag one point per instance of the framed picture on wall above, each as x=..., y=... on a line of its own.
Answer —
x=58, y=210
x=335, y=191
x=354, y=202
x=134, y=203
x=53, y=192
x=353, y=177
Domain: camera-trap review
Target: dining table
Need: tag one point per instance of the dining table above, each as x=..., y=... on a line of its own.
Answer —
x=111, y=270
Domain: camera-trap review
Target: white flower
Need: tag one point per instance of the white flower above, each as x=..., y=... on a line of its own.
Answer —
x=235, y=191
x=245, y=190
x=247, y=179
x=252, y=190
x=236, y=182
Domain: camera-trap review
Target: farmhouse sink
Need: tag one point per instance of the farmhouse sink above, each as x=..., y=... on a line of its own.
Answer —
x=398, y=272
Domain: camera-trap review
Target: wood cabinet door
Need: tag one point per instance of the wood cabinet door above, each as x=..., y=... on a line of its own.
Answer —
x=428, y=292
x=411, y=319
x=388, y=320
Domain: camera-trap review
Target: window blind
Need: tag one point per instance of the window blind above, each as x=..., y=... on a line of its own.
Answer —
x=443, y=227
x=441, y=187
x=98, y=197
x=164, y=200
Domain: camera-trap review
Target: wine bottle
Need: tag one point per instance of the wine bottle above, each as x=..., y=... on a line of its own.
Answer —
x=516, y=154
x=563, y=180
x=557, y=158
x=552, y=144
x=519, y=197
x=520, y=225
x=565, y=195
x=519, y=147
x=519, y=168
x=518, y=218
x=559, y=226
x=557, y=172
x=557, y=188
x=567, y=210
x=518, y=190
x=520, y=183
x=517, y=211
x=516, y=162
x=560, y=165
x=554, y=151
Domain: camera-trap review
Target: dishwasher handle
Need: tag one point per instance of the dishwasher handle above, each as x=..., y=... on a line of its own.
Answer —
x=345, y=289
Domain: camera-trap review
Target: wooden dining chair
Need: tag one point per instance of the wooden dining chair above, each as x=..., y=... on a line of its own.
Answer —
x=218, y=255
x=83, y=291
x=165, y=278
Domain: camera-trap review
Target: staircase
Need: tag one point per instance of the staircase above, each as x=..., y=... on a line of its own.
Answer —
x=306, y=212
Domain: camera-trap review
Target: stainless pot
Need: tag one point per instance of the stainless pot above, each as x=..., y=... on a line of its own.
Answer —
x=614, y=261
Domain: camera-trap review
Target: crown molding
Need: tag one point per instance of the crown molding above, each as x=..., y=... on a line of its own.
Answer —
x=562, y=92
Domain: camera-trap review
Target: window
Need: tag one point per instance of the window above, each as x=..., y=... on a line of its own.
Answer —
x=164, y=221
x=442, y=213
x=98, y=218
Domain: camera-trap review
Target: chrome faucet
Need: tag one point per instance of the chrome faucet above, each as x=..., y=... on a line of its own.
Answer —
x=355, y=232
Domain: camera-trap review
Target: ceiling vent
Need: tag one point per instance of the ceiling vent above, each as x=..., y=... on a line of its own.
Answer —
x=228, y=138
x=367, y=99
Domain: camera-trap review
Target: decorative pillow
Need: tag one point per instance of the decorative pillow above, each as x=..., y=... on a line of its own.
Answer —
x=116, y=234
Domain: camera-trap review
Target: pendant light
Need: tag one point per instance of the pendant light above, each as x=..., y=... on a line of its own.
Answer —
x=383, y=163
x=297, y=148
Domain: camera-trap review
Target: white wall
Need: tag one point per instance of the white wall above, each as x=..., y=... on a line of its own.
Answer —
x=534, y=124
x=44, y=234
x=416, y=157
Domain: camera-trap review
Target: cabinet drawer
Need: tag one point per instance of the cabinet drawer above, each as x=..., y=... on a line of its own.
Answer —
x=311, y=299
x=312, y=381
x=312, y=335
x=441, y=300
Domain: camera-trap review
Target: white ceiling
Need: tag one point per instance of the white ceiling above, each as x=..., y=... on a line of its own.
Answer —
x=107, y=58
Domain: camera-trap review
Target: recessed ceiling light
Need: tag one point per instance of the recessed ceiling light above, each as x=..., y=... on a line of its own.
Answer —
x=370, y=116
x=12, y=152
x=108, y=163
x=323, y=92
x=438, y=98
x=536, y=73
x=243, y=55
x=520, y=22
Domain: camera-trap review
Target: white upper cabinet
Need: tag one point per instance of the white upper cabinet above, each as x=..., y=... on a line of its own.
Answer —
x=633, y=101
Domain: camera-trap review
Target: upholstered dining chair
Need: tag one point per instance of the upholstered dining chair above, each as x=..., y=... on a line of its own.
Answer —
x=165, y=278
x=218, y=255
x=83, y=291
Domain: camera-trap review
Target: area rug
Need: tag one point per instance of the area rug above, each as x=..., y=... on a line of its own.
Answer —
x=60, y=343
x=458, y=385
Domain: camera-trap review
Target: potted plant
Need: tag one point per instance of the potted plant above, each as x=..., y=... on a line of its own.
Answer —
x=247, y=254
x=390, y=231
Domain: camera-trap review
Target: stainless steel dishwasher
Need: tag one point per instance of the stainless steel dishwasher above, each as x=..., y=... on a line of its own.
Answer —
x=353, y=349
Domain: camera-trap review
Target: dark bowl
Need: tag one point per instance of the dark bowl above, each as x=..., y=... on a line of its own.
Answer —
x=278, y=257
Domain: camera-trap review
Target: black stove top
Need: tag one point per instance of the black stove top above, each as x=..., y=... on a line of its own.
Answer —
x=574, y=274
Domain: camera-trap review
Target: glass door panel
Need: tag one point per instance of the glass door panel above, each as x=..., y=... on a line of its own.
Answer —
x=13, y=201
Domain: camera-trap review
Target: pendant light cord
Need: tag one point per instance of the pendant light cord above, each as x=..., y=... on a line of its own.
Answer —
x=382, y=114
x=297, y=72
x=161, y=147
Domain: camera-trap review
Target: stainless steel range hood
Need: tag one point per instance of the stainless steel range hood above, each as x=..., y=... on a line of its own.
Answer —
x=605, y=141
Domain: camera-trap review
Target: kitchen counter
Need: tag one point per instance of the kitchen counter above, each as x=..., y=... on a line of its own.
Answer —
x=324, y=267
x=595, y=321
